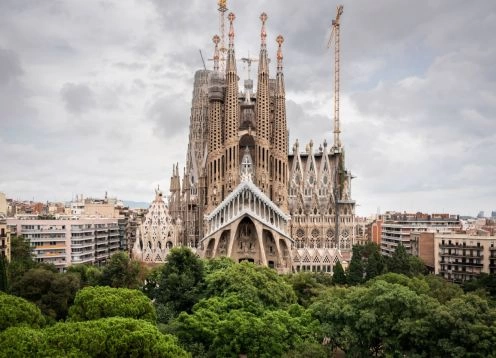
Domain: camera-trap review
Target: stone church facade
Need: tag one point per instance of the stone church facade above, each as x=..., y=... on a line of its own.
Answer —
x=243, y=194
x=157, y=234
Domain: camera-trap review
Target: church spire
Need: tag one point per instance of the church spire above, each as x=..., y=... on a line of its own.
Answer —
x=264, y=129
x=232, y=113
x=263, y=64
x=231, y=60
x=279, y=76
x=216, y=40
x=280, y=137
x=263, y=110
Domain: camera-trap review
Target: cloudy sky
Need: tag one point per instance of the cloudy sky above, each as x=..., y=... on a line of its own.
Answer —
x=95, y=95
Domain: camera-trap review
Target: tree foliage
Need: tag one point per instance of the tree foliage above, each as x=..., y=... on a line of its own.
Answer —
x=486, y=282
x=229, y=326
x=52, y=292
x=254, y=283
x=100, y=302
x=16, y=311
x=180, y=283
x=122, y=272
x=306, y=286
x=89, y=275
x=4, y=283
x=338, y=277
x=108, y=337
x=394, y=315
x=355, y=273
x=403, y=263
x=21, y=258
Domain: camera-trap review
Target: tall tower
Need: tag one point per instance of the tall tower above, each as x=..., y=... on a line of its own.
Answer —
x=215, y=175
x=231, y=153
x=262, y=143
x=280, y=137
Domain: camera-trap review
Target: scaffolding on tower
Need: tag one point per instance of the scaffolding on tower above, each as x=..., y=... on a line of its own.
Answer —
x=222, y=48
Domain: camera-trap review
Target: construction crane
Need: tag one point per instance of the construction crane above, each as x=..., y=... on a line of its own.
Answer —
x=203, y=61
x=222, y=48
x=248, y=60
x=337, y=143
x=335, y=36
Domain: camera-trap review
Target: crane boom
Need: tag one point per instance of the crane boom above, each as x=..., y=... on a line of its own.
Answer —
x=203, y=61
x=335, y=35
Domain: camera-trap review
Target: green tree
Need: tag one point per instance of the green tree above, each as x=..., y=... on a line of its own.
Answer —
x=108, y=337
x=338, y=277
x=399, y=261
x=4, y=284
x=21, y=258
x=89, y=275
x=228, y=326
x=52, y=292
x=122, y=272
x=368, y=321
x=356, y=269
x=485, y=281
x=442, y=290
x=101, y=302
x=181, y=281
x=217, y=263
x=16, y=311
x=254, y=283
x=152, y=281
x=308, y=350
x=305, y=286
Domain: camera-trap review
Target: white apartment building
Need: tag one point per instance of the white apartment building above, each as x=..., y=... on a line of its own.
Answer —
x=68, y=240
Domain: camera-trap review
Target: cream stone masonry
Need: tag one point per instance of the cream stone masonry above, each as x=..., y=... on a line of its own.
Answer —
x=242, y=194
x=157, y=234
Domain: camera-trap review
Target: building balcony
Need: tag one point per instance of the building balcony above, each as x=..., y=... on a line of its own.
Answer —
x=83, y=245
x=81, y=230
x=459, y=247
x=462, y=255
x=461, y=264
x=50, y=255
x=81, y=238
x=81, y=260
x=49, y=247
x=476, y=273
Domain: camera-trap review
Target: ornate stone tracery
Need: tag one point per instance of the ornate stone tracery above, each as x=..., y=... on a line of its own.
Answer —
x=243, y=195
x=157, y=234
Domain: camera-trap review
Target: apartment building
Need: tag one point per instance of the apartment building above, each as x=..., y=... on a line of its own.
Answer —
x=461, y=257
x=4, y=231
x=68, y=240
x=4, y=238
x=397, y=227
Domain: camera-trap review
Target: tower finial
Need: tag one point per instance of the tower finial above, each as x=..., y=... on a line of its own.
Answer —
x=279, y=41
x=231, y=17
x=216, y=40
x=263, y=34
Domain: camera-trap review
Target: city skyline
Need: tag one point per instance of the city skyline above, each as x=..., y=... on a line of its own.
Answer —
x=96, y=96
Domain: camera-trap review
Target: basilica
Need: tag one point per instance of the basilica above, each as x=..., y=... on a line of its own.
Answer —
x=244, y=193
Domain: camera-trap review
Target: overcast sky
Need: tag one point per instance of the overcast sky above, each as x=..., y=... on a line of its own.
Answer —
x=95, y=95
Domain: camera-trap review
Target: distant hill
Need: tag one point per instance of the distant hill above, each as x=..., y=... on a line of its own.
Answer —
x=136, y=204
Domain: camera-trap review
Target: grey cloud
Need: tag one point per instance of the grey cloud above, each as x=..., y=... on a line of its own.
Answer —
x=130, y=66
x=78, y=98
x=170, y=115
x=418, y=103
x=10, y=66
